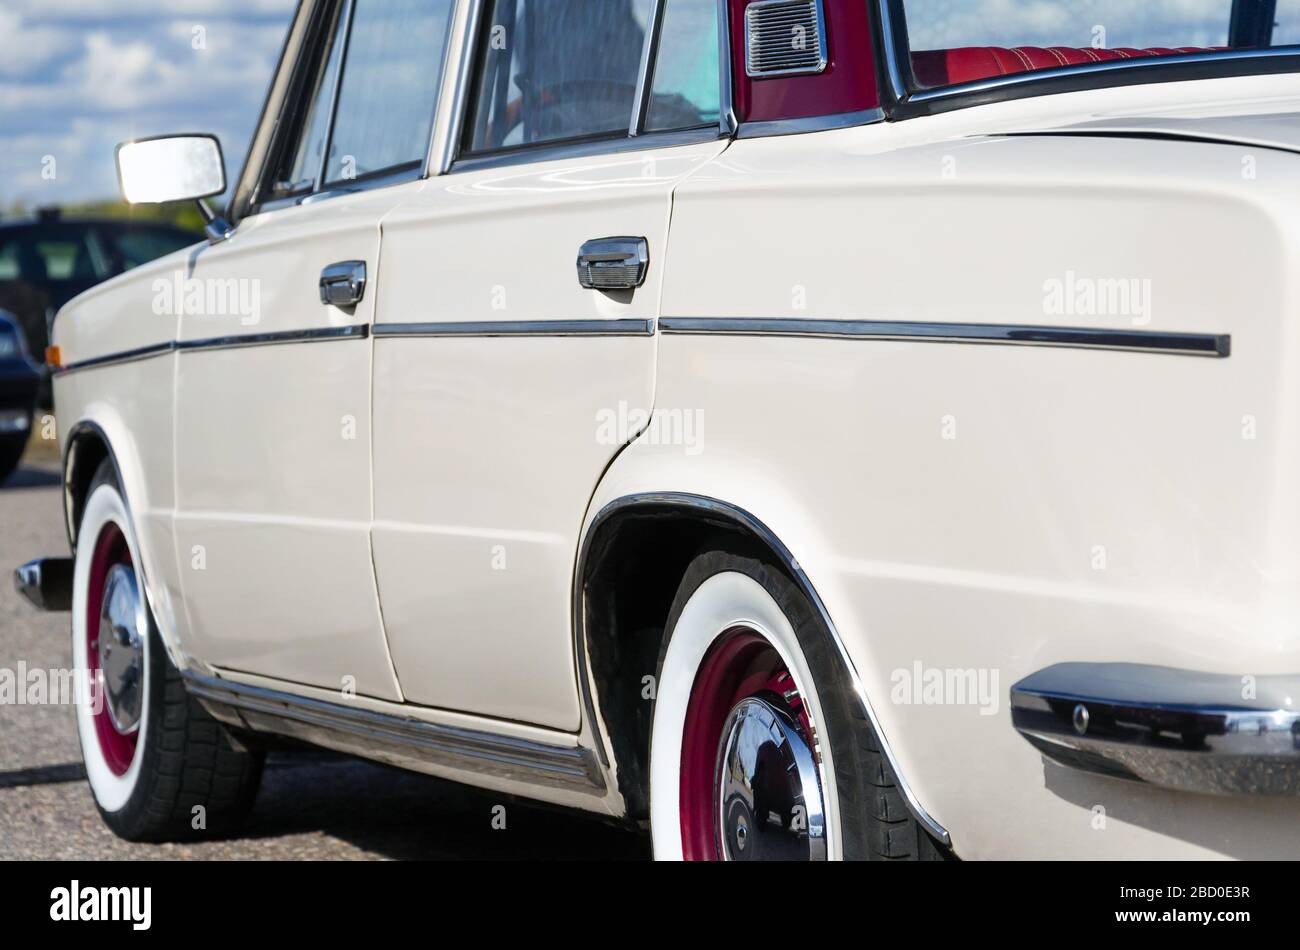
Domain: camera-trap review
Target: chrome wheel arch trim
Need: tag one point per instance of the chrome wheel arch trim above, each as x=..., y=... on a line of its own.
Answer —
x=704, y=506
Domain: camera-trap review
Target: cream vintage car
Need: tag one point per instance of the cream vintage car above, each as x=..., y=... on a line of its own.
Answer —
x=906, y=469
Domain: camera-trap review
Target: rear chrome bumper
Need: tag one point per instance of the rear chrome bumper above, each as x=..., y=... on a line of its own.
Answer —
x=46, y=583
x=1198, y=732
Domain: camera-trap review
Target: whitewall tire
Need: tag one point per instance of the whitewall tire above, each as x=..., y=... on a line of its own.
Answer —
x=760, y=748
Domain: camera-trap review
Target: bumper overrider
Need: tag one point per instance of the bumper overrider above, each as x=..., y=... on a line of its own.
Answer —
x=1197, y=732
x=46, y=583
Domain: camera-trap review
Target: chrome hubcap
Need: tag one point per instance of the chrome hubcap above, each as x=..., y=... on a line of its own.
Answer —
x=769, y=794
x=121, y=648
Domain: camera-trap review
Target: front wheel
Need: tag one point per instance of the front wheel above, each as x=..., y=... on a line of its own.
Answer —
x=760, y=749
x=160, y=767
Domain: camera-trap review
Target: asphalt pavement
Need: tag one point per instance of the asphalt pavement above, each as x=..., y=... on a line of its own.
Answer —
x=312, y=805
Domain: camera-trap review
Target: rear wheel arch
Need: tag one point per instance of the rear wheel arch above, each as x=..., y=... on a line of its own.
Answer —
x=635, y=555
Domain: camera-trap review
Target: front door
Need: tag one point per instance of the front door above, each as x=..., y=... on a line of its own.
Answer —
x=273, y=388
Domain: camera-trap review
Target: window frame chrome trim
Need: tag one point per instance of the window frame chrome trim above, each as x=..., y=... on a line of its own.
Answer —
x=738, y=516
x=908, y=103
x=559, y=151
x=645, y=72
x=1213, y=345
x=727, y=122
x=319, y=185
x=815, y=123
x=476, y=10
x=516, y=328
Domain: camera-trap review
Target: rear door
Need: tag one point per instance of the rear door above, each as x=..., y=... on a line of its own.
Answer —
x=273, y=383
x=502, y=386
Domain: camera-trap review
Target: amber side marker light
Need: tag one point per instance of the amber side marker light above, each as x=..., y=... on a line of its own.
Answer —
x=53, y=357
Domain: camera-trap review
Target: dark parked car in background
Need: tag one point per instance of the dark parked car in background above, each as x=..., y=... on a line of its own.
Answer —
x=48, y=260
x=19, y=379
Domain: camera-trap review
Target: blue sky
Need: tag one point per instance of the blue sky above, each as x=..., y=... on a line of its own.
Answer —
x=79, y=76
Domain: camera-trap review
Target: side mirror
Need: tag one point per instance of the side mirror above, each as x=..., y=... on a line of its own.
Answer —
x=175, y=168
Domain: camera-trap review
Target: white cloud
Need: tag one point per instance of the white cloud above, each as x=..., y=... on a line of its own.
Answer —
x=83, y=76
x=24, y=48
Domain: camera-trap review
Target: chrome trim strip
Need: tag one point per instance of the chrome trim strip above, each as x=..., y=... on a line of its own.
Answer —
x=645, y=73
x=738, y=516
x=234, y=342
x=559, y=151
x=315, y=335
x=816, y=123
x=125, y=356
x=398, y=740
x=1182, y=344
x=518, y=328
x=1167, y=727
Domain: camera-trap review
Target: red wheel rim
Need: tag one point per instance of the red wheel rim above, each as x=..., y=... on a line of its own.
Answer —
x=740, y=665
x=118, y=748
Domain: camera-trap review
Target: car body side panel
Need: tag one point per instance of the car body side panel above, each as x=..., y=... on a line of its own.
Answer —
x=131, y=405
x=998, y=509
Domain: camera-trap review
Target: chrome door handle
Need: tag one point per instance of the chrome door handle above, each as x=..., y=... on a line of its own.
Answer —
x=343, y=284
x=615, y=263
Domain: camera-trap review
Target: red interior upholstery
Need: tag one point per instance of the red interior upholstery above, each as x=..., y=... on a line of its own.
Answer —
x=947, y=67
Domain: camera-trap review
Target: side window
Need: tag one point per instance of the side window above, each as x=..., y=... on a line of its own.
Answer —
x=685, y=93
x=367, y=105
x=959, y=41
x=389, y=87
x=305, y=161
x=553, y=70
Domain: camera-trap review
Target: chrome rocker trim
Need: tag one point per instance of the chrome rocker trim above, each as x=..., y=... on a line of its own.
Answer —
x=46, y=583
x=1181, y=344
x=1171, y=728
x=396, y=740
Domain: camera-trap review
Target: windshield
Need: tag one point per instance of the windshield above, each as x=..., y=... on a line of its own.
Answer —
x=958, y=41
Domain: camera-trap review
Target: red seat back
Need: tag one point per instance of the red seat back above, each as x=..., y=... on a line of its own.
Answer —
x=948, y=67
